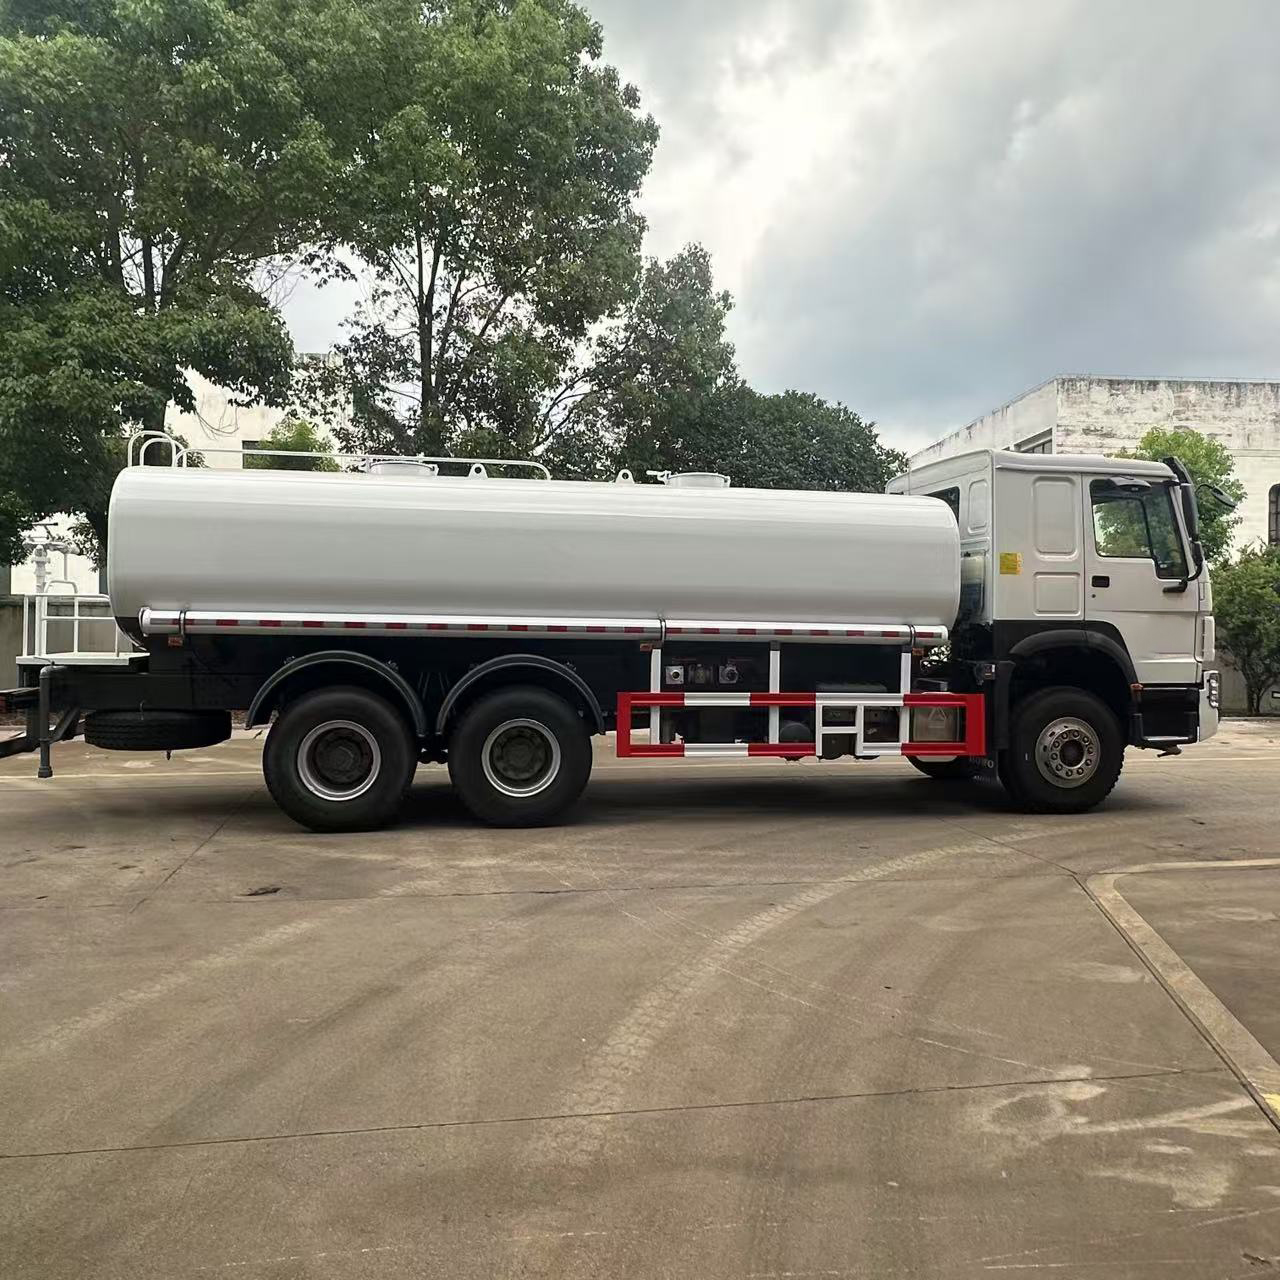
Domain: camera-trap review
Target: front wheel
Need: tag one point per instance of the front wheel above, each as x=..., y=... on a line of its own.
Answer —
x=1065, y=752
x=520, y=757
x=339, y=760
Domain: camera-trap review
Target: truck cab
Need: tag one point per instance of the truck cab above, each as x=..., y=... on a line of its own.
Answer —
x=1084, y=595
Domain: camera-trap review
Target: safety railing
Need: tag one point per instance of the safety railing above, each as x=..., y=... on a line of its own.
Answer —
x=157, y=448
x=71, y=626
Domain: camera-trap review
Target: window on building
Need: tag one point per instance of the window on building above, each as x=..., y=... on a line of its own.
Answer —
x=952, y=498
x=1273, y=515
x=1131, y=526
x=1041, y=442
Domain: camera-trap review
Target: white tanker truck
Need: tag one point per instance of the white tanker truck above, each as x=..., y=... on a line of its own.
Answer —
x=1026, y=617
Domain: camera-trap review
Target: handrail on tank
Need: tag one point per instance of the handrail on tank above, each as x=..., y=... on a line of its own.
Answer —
x=179, y=453
x=143, y=441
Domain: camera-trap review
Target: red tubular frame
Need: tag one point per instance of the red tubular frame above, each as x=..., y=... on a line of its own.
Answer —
x=974, y=742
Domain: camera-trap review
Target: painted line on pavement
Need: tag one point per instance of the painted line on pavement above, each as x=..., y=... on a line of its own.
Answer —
x=1256, y=1069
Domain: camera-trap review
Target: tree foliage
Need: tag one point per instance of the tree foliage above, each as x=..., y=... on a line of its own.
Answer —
x=159, y=156
x=795, y=440
x=293, y=435
x=1246, y=599
x=493, y=206
x=1209, y=462
x=645, y=392
x=163, y=162
x=660, y=390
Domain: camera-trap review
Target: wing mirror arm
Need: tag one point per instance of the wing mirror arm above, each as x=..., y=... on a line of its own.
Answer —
x=1190, y=517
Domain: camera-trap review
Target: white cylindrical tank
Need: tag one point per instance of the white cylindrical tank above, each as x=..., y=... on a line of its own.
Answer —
x=337, y=542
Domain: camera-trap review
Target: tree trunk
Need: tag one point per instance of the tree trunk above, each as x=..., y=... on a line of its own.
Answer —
x=430, y=432
x=97, y=521
x=153, y=420
x=430, y=428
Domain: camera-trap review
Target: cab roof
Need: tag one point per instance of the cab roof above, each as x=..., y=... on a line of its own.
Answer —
x=1009, y=460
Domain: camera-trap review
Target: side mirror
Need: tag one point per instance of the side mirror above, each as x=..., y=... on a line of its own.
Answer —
x=1227, y=504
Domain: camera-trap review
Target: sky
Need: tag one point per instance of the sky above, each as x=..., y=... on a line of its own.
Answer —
x=925, y=207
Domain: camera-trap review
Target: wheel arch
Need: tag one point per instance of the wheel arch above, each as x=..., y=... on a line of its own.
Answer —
x=305, y=674
x=520, y=668
x=1079, y=659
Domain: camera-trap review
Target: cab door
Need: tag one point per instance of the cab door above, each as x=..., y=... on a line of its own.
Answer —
x=1136, y=562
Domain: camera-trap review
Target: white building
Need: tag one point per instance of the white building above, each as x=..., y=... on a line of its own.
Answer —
x=1100, y=415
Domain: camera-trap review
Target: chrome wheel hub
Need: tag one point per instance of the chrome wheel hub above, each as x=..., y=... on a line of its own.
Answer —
x=521, y=758
x=339, y=760
x=1068, y=752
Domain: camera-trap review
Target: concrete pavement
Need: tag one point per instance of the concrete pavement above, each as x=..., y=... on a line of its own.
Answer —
x=735, y=1020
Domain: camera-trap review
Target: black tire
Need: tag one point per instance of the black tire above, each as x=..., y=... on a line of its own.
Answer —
x=156, y=730
x=946, y=769
x=339, y=760
x=548, y=757
x=1089, y=752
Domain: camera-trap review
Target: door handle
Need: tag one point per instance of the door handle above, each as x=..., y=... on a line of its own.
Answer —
x=1099, y=580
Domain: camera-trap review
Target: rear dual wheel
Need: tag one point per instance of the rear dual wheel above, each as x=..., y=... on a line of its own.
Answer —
x=340, y=760
x=520, y=757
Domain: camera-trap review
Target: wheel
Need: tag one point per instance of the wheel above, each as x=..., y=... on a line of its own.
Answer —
x=520, y=757
x=946, y=768
x=156, y=730
x=339, y=760
x=1065, y=754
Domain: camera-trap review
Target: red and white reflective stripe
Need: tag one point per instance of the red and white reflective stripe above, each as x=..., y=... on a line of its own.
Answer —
x=832, y=632
x=738, y=750
x=206, y=622
x=212, y=622
x=684, y=699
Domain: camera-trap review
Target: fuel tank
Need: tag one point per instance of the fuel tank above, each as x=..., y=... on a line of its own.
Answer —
x=353, y=543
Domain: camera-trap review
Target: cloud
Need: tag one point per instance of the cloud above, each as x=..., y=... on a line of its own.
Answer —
x=925, y=208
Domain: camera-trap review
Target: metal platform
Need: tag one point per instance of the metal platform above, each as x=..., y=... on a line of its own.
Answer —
x=80, y=658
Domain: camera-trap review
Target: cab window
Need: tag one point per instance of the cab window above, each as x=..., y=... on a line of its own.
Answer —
x=951, y=497
x=1134, y=526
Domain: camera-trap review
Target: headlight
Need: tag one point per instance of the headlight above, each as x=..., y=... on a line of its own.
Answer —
x=1213, y=684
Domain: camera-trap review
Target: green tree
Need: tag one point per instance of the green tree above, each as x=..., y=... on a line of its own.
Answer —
x=294, y=435
x=1246, y=604
x=1209, y=463
x=159, y=156
x=659, y=390
x=643, y=394
x=493, y=206
x=796, y=440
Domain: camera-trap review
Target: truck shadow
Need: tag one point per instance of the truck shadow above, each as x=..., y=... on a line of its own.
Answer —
x=617, y=801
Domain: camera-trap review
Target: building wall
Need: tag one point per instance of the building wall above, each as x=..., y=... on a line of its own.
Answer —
x=1101, y=415
x=1022, y=419
x=218, y=428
